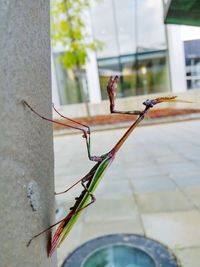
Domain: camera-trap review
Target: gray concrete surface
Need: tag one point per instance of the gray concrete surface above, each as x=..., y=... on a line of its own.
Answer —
x=26, y=147
x=152, y=188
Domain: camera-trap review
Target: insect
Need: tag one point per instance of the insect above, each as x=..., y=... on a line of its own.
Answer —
x=91, y=180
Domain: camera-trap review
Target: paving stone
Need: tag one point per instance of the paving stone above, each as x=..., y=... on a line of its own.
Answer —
x=179, y=167
x=95, y=229
x=111, y=210
x=113, y=189
x=144, y=171
x=175, y=229
x=116, y=172
x=193, y=154
x=189, y=257
x=187, y=180
x=171, y=158
x=163, y=201
x=152, y=184
x=194, y=194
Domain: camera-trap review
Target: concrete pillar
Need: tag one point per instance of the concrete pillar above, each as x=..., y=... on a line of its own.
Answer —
x=91, y=66
x=26, y=148
x=176, y=59
x=93, y=78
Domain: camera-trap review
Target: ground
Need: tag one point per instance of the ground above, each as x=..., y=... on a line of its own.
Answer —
x=152, y=188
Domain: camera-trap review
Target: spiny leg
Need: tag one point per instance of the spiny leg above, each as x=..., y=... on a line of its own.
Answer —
x=111, y=89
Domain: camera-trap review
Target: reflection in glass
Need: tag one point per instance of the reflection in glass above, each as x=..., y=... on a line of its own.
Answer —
x=150, y=27
x=72, y=85
x=145, y=74
x=124, y=15
x=104, y=28
x=119, y=256
x=135, y=47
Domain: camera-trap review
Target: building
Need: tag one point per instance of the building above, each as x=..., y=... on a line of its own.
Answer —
x=149, y=56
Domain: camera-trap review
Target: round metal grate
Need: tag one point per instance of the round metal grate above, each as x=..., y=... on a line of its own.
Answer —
x=121, y=250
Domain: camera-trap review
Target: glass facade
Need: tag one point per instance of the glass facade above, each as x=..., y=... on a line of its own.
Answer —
x=135, y=47
x=192, y=62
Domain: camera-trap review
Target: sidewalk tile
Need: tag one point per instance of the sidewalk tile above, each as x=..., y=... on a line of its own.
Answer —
x=104, y=227
x=189, y=257
x=174, y=229
x=163, y=201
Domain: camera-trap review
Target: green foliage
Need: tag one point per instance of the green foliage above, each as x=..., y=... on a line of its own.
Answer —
x=69, y=29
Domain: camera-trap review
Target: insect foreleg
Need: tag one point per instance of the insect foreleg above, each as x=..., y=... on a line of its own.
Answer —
x=111, y=89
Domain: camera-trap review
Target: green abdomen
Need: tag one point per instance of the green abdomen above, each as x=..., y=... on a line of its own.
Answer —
x=86, y=199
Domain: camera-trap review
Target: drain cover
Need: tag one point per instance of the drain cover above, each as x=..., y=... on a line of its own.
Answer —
x=121, y=250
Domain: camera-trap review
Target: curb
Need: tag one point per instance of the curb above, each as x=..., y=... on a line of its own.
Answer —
x=146, y=122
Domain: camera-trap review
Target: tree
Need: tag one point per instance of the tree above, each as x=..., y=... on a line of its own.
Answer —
x=68, y=28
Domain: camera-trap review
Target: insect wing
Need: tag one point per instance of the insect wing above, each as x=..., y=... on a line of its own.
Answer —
x=57, y=236
x=99, y=174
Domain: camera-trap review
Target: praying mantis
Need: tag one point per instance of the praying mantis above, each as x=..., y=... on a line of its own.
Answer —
x=91, y=180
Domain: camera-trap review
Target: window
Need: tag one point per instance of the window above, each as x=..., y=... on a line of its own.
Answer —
x=192, y=61
x=135, y=48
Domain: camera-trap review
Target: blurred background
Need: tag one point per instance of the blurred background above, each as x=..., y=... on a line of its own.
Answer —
x=128, y=39
x=153, y=187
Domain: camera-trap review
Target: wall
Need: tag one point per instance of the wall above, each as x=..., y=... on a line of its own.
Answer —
x=26, y=148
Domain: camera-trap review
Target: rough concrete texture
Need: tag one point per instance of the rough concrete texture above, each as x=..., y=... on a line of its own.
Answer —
x=26, y=147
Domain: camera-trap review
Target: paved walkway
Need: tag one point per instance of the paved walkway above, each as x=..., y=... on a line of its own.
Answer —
x=152, y=188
